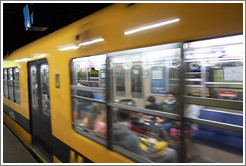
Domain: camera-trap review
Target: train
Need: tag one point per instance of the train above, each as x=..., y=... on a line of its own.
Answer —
x=64, y=94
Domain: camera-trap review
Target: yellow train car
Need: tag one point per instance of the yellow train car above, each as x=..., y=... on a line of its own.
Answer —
x=125, y=51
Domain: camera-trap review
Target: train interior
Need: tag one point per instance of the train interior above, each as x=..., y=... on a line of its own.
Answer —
x=212, y=69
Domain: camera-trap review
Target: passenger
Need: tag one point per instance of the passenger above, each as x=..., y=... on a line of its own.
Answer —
x=169, y=105
x=191, y=111
x=147, y=148
x=46, y=102
x=150, y=103
x=97, y=119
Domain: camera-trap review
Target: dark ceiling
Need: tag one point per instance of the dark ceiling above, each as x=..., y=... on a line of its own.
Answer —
x=59, y=15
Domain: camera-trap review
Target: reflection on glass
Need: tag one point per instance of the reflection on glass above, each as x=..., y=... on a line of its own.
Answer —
x=136, y=81
x=120, y=81
x=220, y=140
x=216, y=70
x=16, y=85
x=45, y=89
x=139, y=75
x=90, y=117
x=89, y=70
x=144, y=135
x=10, y=84
x=34, y=87
x=5, y=83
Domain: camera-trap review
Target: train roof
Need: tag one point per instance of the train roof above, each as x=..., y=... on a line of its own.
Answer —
x=196, y=21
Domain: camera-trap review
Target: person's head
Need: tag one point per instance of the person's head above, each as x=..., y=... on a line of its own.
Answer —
x=170, y=96
x=98, y=109
x=123, y=115
x=98, y=112
x=151, y=99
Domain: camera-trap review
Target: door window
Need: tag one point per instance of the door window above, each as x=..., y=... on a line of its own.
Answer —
x=34, y=87
x=44, y=77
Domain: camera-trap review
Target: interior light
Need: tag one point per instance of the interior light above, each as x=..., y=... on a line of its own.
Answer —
x=151, y=26
x=215, y=42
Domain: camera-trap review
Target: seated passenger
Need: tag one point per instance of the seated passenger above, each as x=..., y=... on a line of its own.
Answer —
x=97, y=119
x=46, y=102
x=150, y=103
x=154, y=150
x=169, y=105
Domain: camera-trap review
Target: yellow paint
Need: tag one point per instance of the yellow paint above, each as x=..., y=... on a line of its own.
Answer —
x=74, y=159
x=24, y=136
x=56, y=160
x=197, y=21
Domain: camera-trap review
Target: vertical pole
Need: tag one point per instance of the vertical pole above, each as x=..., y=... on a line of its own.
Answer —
x=108, y=98
x=182, y=150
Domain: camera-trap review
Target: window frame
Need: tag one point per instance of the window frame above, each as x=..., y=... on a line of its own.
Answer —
x=76, y=127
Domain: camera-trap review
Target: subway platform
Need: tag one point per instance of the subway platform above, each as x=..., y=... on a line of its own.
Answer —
x=13, y=150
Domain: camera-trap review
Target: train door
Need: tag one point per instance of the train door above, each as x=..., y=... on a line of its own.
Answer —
x=40, y=105
x=128, y=82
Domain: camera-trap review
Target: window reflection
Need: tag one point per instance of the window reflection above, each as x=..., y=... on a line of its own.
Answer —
x=143, y=135
x=45, y=89
x=89, y=83
x=215, y=72
x=34, y=87
x=90, y=117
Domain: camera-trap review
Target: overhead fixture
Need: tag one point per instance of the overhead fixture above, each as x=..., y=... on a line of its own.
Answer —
x=151, y=26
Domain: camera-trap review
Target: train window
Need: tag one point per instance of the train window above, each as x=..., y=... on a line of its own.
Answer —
x=16, y=85
x=136, y=81
x=34, y=87
x=138, y=76
x=5, y=83
x=146, y=117
x=45, y=88
x=120, y=81
x=10, y=84
x=215, y=71
x=88, y=85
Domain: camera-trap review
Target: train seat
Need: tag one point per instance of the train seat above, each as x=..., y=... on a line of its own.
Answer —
x=99, y=97
x=210, y=134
